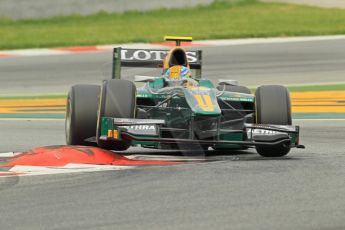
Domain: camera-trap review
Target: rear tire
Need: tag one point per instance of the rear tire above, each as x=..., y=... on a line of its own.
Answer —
x=273, y=106
x=81, y=114
x=117, y=100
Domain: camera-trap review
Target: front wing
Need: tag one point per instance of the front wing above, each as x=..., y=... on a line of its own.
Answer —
x=148, y=131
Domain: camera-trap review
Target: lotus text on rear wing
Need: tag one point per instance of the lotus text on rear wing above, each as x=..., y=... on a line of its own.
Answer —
x=152, y=55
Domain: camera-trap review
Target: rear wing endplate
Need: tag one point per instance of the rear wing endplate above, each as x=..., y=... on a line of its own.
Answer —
x=150, y=58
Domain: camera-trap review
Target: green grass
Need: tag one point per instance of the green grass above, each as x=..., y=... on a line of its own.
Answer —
x=222, y=19
x=309, y=88
x=333, y=87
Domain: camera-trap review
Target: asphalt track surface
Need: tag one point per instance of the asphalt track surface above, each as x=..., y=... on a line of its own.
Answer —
x=277, y=63
x=232, y=191
x=238, y=190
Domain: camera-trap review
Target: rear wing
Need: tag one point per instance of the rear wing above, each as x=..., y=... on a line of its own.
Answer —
x=150, y=58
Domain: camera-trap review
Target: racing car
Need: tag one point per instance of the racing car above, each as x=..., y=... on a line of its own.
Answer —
x=166, y=114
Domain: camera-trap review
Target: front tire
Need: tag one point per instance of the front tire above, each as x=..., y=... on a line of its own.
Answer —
x=273, y=106
x=117, y=100
x=81, y=114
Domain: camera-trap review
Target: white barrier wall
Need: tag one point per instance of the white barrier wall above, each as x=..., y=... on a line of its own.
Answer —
x=25, y=9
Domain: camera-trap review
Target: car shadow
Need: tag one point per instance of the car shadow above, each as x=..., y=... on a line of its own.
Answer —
x=208, y=155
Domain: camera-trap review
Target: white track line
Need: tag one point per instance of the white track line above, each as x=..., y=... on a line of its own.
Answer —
x=248, y=41
x=165, y=157
x=69, y=168
x=8, y=154
x=204, y=43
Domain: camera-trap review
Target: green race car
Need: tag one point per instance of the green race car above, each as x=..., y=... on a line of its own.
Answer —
x=178, y=114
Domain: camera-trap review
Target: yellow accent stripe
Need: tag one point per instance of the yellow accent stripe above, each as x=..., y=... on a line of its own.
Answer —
x=116, y=134
x=205, y=102
x=174, y=38
x=57, y=105
x=318, y=102
x=208, y=100
x=313, y=102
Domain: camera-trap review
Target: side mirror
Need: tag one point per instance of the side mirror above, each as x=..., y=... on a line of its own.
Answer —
x=139, y=78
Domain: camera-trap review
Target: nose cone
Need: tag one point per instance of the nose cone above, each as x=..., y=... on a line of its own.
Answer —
x=202, y=101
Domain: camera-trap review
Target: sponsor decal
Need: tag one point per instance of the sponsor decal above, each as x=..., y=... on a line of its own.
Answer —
x=283, y=128
x=142, y=127
x=152, y=55
x=237, y=99
x=147, y=129
x=200, y=90
x=143, y=95
x=133, y=121
x=257, y=131
x=264, y=132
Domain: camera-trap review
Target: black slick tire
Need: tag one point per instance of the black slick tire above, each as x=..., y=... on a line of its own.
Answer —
x=273, y=106
x=81, y=114
x=117, y=100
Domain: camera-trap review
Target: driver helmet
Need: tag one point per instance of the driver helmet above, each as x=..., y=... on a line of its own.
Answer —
x=178, y=72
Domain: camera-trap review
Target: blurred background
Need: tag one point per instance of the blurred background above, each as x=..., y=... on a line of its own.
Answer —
x=46, y=46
